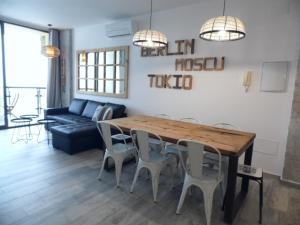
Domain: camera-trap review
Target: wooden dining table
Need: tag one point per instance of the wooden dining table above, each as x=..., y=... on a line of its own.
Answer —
x=230, y=143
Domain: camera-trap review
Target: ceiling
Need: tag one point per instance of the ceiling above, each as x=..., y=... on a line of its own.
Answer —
x=74, y=13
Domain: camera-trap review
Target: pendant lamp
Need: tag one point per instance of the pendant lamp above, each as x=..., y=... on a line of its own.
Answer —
x=149, y=38
x=223, y=28
x=50, y=51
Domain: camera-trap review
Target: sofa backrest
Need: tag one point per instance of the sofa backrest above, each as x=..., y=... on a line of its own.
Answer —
x=77, y=106
x=87, y=108
x=90, y=108
x=118, y=110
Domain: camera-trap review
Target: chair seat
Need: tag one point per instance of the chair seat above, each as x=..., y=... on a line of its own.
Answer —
x=156, y=157
x=249, y=171
x=213, y=158
x=172, y=149
x=121, y=137
x=120, y=147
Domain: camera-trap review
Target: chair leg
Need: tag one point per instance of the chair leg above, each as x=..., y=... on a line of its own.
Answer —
x=208, y=200
x=118, y=168
x=222, y=194
x=135, y=177
x=102, y=166
x=155, y=182
x=182, y=197
x=172, y=174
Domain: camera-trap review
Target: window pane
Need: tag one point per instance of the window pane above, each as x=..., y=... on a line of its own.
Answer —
x=100, y=58
x=110, y=57
x=120, y=57
x=91, y=72
x=81, y=72
x=91, y=58
x=120, y=87
x=90, y=85
x=100, y=72
x=109, y=86
x=110, y=72
x=120, y=72
x=81, y=85
x=82, y=59
x=100, y=85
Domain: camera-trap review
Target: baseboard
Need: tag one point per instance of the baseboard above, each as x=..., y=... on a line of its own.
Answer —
x=290, y=182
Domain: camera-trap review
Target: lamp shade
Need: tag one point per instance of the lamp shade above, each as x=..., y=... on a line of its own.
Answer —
x=50, y=51
x=149, y=39
x=223, y=28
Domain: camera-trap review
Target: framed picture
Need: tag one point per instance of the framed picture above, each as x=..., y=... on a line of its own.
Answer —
x=274, y=76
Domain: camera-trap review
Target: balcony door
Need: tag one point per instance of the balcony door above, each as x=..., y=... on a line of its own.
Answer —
x=3, y=118
x=26, y=71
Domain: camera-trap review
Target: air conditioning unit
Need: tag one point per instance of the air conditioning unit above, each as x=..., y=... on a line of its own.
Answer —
x=120, y=28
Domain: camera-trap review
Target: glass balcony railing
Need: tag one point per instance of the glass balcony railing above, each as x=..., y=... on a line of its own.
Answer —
x=24, y=101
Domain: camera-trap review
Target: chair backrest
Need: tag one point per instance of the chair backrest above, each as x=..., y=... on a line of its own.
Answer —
x=13, y=103
x=163, y=116
x=190, y=120
x=226, y=126
x=193, y=162
x=104, y=128
x=141, y=141
x=108, y=114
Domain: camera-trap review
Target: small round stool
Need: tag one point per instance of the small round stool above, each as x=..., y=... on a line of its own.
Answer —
x=29, y=116
x=46, y=123
x=20, y=132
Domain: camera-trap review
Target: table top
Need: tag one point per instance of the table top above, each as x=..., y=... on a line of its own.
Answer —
x=21, y=120
x=29, y=116
x=229, y=142
x=46, y=121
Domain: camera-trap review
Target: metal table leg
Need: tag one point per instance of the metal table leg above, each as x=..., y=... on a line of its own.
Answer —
x=247, y=161
x=233, y=202
x=229, y=202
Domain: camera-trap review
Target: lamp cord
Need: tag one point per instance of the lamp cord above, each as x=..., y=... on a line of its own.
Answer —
x=151, y=15
x=223, y=7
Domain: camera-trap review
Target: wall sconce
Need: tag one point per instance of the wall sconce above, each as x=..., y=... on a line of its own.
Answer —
x=247, y=80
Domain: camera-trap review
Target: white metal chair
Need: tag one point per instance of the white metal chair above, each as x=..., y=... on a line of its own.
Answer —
x=212, y=159
x=150, y=159
x=155, y=143
x=118, y=152
x=172, y=148
x=197, y=174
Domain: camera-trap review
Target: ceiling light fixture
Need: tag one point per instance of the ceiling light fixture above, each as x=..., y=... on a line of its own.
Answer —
x=149, y=38
x=223, y=28
x=50, y=51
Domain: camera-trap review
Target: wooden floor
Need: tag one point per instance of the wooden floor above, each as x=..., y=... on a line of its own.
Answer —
x=43, y=186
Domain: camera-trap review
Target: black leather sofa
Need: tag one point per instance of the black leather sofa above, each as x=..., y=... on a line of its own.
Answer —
x=74, y=130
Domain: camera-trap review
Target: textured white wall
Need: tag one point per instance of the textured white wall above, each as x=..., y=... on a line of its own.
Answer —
x=273, y=34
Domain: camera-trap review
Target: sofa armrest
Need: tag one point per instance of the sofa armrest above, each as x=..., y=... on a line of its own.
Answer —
x=55, y=111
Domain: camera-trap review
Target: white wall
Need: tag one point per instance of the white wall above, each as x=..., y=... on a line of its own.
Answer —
x=273, y=34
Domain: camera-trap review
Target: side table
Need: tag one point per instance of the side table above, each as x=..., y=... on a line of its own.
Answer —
x=46, y=123
x=29, y=116
x=22, y=125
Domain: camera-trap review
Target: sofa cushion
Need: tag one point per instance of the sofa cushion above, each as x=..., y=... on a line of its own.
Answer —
x=77, y=106
x=76, y=130
x=69, y=118
x=118, y=110
x=90, y=109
